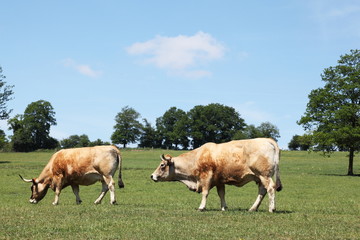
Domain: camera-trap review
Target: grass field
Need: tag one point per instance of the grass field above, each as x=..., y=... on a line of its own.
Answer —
x=318, y=202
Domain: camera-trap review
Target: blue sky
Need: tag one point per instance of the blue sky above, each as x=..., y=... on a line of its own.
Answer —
x=89, y=59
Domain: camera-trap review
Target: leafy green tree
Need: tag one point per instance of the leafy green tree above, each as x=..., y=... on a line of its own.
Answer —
x=173, y=126
x=305, y=142
x=294, y=143
x=5, y=96
x=213, y=123
x=265, y=129
x=75, y=141
x=98, y=142
x=127, y=127
x=249, y=132
x=298, y=142
x=268, y=130
x=148, y=135
x=31, y=130
x=3, y=140
x=333, y=111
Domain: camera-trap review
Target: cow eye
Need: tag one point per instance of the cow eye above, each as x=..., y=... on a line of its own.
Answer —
x=163, y=165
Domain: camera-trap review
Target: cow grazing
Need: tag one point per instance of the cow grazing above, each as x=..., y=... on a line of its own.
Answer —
x=234, y=163
x=78, y=166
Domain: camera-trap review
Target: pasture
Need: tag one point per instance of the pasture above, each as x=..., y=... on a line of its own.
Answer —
x=318, y=202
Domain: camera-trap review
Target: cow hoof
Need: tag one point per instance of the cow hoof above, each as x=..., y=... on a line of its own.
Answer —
x=224, y=209
x=114, y=203
x=97, y=202
x=201, y=209
x=54, y=203
x=79, y=202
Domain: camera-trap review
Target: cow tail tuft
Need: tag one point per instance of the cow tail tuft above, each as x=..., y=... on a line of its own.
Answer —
x=277, y=170
x=120, y=181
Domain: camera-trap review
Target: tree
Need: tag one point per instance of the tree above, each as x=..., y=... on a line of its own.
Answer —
x=294, y=143
x=75, y=141
x=173, y=126
x=269, y=130
x=3, y=140
x=98, y=142
x=333, y=112
x=213, y=123
x=5, y=96
x=31, y=130
x=127, y=127
x=249, y=132
x=302, y=143
x=148, y=135
x=265, y=129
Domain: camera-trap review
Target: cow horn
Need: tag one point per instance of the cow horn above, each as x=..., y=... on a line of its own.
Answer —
x=25, y=180
x=166, y=157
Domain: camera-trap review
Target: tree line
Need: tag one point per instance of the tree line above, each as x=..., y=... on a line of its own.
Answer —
x=176, y=129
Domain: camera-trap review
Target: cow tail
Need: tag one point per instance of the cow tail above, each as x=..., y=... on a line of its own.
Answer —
x=277, y=170
x=120, y=181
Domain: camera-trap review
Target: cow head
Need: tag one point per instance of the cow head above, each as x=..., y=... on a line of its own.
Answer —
x=38, y=189
x=165, y=171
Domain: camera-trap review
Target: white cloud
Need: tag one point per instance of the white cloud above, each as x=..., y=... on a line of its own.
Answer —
x=180, y=54
x=81, y=68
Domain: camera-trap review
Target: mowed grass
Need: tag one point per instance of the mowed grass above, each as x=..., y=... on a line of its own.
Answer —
x=318, y=202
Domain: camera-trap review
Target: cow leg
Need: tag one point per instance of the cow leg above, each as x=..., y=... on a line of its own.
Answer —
x=221, y=193
x=271, y=191
x=107, y=184
x=205, y=186
x=57, y=194
x=103, y=192
x=111, y=185
x=57, y=185
x=270, y=187
x=260, y=197
x=205, y=194
x=76, y=191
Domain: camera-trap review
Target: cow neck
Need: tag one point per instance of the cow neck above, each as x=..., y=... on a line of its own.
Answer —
x=45, y=175
x=185, y=166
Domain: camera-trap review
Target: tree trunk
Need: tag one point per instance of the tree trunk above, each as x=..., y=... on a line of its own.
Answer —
x=351, y=162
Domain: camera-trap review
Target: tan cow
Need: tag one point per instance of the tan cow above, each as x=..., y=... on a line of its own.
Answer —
x=234, y=163
x=78, y=166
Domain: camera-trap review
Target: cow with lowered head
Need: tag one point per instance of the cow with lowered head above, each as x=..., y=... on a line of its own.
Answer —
x=234, y=163
x=78, y=166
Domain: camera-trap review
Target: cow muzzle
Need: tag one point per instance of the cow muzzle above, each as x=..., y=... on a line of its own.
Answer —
x=154, y=178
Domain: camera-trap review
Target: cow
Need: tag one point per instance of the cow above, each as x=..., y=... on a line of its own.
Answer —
x=234, y=163
x=78, y=166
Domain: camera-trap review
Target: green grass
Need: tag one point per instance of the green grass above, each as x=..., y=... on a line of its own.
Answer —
x=318, y=202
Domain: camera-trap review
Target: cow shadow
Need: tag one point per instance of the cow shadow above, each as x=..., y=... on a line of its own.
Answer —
x=341, y=175
x=246, y=211
x=4, y=162
x=266, y=211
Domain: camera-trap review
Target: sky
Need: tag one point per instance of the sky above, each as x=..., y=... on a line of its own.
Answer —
x=90, y=59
